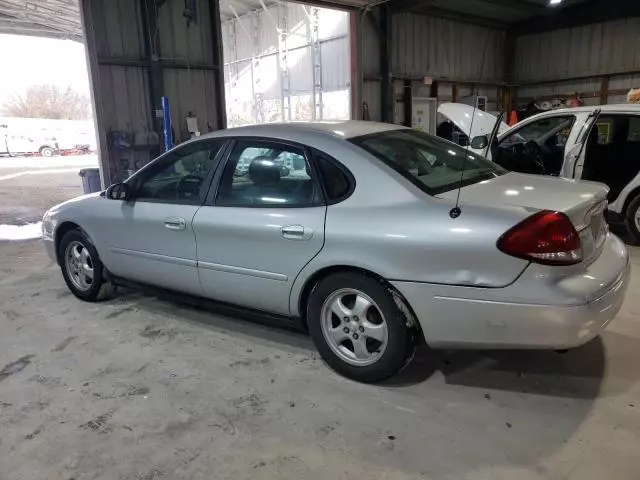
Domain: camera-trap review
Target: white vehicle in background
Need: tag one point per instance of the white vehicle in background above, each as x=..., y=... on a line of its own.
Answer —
x=13, y=143
x=600, y=143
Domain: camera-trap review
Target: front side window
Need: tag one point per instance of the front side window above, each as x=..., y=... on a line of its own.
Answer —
x=179, y=177
x=537, y=147
x=432, y=164
x=260, y=174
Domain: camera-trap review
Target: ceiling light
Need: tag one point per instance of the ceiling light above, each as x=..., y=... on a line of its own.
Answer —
x=554, y=2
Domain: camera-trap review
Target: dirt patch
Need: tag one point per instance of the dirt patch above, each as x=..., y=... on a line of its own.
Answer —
x=63, y=344
x=100, y=424
x=155, y=332
x=11, y=315
x=46, y=381
x=250, y=362
x=253, y=404
x=15, y=367
x=119, y=312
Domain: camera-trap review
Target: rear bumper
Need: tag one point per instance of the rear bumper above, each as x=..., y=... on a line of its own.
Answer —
x=461, y=317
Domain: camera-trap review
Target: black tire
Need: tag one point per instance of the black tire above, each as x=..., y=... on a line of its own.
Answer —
x=630, y=218
x=100, y=288
x=47, y=152
x=399, y=338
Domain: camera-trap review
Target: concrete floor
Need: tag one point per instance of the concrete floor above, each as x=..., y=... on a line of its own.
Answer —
x=142, y=388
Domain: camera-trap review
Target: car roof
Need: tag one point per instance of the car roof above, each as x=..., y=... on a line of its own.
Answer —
x=340, y=129
x=616, y=107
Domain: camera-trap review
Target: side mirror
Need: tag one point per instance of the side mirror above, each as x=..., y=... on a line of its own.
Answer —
x=119, y=191
x=480, y=142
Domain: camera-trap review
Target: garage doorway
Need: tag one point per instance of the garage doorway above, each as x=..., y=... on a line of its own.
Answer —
x=285, y=62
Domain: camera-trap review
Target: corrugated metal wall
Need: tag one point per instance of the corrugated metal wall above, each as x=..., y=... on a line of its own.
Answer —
x=423, y=46
x=551, y=64
x=119, y=70
x=264, y=71
x=426, y=46
x=597, y=49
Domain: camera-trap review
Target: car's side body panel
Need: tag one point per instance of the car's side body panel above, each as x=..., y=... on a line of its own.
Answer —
x=245, y=257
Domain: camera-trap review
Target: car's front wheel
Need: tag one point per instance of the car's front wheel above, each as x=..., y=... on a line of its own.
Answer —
x=82, y=269
x=357, y=327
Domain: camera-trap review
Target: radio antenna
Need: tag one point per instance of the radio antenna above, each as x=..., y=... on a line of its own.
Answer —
x=456, y=211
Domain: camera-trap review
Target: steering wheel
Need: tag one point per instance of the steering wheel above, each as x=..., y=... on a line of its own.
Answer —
x=536, y=154
x=188, y=187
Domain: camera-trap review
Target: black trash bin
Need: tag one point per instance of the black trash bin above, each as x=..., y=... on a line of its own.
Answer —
x=90, y=180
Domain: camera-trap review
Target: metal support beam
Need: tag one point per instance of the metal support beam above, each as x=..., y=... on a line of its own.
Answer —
x=88, y=26
x=407, y=97
x=147, y=63
x=355, y=40
x=604, y=90
x=216, y=43
x=386, y=88
x=150, y=31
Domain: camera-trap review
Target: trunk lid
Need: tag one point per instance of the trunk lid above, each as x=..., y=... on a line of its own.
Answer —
x=583, y=202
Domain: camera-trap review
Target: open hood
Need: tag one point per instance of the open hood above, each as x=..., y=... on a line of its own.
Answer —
x=461, y=114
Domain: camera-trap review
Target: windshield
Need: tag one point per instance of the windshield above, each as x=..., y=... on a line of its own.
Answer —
x=432, y=164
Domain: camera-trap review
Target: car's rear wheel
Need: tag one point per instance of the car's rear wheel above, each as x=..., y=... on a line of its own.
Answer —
x=632, y=218
x=81, y=267
x=47, y=152
x=357, y=327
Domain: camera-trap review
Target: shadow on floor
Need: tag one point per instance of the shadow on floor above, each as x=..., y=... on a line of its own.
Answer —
x=577, y=373
x=218, y=316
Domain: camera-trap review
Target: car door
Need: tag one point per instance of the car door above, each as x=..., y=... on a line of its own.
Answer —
x=577, y=147
x=261, y=225
x=537, y=146
x=150, y=236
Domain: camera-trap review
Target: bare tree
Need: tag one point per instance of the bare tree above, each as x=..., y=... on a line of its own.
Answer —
x=49, y=101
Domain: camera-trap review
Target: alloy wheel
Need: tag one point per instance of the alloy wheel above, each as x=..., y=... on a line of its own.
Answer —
x=354, y=327
x=79, y=265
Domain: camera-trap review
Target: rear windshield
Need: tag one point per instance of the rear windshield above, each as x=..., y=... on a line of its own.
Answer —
x=432, y=164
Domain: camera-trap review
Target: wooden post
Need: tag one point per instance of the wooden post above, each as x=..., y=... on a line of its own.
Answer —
x=454, y=93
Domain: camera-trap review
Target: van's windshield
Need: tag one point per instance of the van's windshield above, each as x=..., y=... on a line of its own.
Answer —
x=432, y=164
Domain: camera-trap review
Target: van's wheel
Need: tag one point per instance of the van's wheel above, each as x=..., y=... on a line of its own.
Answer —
x=632, y=218
x=47, y=152
x=357, y=327
x=81, y=267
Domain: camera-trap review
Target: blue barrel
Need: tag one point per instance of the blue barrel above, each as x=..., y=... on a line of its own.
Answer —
x=90, y=180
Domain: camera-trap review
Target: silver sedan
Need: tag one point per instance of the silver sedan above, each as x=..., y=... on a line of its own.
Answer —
x=354, y=229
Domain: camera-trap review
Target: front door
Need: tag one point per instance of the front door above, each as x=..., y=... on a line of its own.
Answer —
x=263, y=225
x=538, y=146
x=150, y=237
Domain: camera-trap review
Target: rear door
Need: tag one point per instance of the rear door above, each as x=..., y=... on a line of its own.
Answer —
x=262, y=223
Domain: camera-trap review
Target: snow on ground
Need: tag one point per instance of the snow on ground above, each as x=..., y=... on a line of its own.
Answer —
x=28, y=163
x=21, y=232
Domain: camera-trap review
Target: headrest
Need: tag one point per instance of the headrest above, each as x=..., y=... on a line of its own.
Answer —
x=264, y=171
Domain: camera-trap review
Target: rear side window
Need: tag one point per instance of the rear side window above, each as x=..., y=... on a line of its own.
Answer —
x=338, y=184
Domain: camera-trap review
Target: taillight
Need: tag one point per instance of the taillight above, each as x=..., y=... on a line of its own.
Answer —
x=546, y=237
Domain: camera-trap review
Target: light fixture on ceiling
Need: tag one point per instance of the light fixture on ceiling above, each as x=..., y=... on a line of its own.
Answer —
x=553, y=3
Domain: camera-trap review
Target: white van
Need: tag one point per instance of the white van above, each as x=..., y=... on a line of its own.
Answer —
x=14, y=143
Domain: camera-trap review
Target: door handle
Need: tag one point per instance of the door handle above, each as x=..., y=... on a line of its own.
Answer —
x=296, y=232
x=175, y=223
